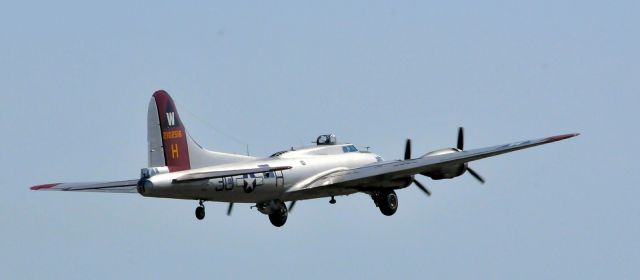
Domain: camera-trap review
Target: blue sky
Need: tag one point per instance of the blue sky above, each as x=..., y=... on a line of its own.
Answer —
x=77, y=77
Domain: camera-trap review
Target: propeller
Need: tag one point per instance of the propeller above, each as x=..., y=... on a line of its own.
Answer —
x=460, y=138
x=407, y=150
x=229, y=209
x=476, y=175
x=461, y=147
x=407, y=155
x=422, y=187
x=291, y=205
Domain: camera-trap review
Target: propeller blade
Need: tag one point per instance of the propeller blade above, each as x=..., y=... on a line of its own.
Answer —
x=460, y=138
x=229, y=209
x=291, y=205
x=476, y=175
x=419, y=185
x=407, y=150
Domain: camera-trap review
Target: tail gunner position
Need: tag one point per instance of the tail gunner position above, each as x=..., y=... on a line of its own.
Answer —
x=179, y=168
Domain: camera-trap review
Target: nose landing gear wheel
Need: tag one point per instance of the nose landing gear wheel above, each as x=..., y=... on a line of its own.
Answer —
x=387, y=201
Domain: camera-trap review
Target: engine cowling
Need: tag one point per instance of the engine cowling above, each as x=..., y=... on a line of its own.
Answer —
x=448, y=171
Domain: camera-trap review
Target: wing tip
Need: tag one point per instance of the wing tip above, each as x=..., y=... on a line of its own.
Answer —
x=45, y=186
x=561, y=137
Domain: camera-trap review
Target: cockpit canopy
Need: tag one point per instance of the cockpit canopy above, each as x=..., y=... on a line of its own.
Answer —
x=349, y=148
x=326, y=145
x=327, y=139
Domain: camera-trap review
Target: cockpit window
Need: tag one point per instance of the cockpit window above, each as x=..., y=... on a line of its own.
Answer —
x=349, y=149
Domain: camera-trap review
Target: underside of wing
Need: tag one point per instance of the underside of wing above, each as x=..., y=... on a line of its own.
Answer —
x=128, y=186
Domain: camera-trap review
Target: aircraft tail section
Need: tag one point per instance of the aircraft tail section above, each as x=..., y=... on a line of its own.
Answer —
x=169, y=143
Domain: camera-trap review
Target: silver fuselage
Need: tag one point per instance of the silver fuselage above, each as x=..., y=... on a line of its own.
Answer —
x=306, y=165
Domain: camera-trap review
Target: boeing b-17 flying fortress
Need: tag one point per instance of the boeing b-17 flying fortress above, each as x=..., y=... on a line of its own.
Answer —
x=180, y=168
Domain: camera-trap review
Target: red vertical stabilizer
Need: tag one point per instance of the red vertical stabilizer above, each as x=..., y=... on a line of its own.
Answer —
x=173, y=133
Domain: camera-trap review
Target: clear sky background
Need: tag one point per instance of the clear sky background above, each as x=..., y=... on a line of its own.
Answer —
x=76, y=79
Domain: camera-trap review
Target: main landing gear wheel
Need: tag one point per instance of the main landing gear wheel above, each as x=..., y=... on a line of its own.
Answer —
x=200, y=211
x=387, y=201
x=279, y=217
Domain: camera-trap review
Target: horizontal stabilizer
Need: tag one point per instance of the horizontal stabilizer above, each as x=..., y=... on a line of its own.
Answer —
x=128, y=186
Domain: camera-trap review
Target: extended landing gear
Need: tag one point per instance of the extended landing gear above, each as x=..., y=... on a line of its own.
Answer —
x=387, y=201
x=333, y=200
x=200, y=210
x=279, y=214
x=276, y=210
x=278, y=218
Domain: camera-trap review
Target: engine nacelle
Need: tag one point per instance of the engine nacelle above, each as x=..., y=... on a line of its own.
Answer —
x=448, y=171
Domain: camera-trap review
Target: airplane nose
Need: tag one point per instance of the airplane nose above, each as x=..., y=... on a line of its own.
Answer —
x=144, y=185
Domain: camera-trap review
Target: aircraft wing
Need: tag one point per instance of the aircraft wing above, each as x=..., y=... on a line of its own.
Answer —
x=128, y=186
x=369, y=176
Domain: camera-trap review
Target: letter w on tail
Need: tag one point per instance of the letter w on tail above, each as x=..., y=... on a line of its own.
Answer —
x=171, y=118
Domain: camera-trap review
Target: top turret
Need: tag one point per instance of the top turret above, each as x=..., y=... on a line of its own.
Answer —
x=327, y=139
